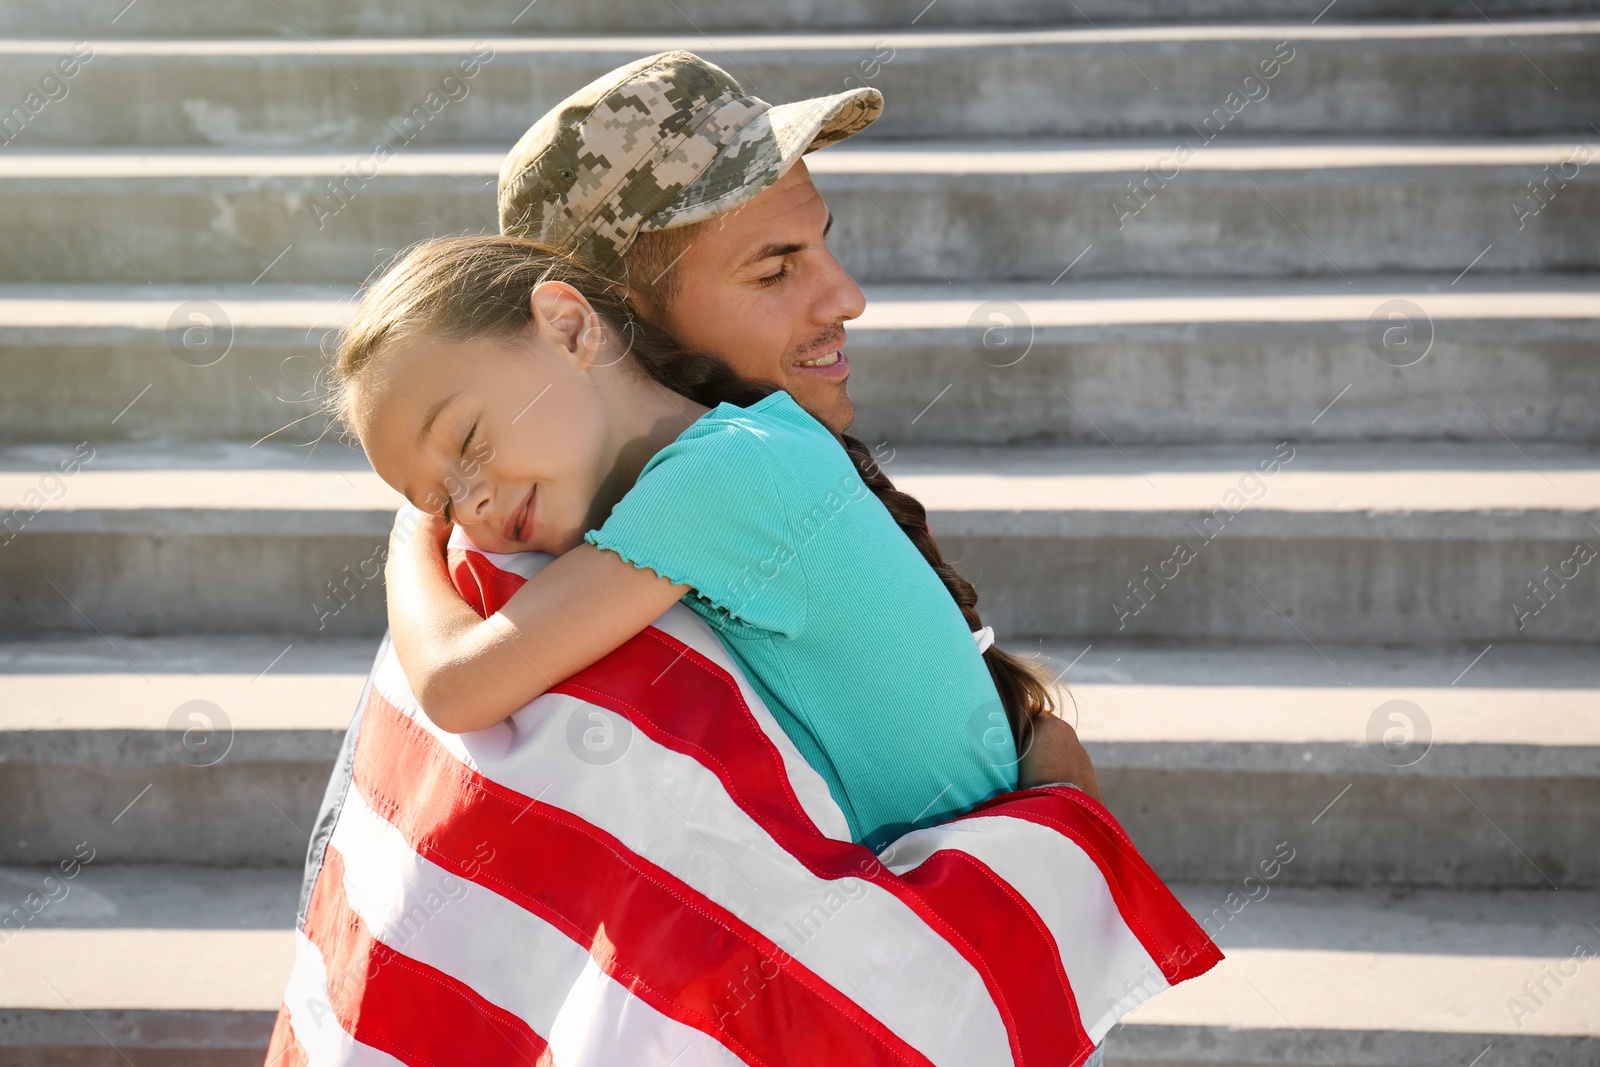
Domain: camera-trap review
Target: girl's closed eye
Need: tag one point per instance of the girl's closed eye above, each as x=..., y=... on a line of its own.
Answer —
x=449, y=500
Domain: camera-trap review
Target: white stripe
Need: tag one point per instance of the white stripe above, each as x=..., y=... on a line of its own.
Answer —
x=683, y=624
x=810, y=788
x=1108, y=968
x=316, y=1027
x=674, y=812
x=603, y=1025
x=507, y=955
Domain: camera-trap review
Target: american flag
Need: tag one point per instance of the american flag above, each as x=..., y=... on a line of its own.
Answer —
x=639, y=868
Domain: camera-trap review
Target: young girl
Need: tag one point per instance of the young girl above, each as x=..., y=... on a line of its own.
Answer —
x=503, y=387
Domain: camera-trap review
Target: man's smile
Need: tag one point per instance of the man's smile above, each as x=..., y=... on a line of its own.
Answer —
x=829, y=361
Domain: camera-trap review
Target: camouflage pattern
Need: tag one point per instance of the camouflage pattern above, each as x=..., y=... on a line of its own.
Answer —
x=664, y=141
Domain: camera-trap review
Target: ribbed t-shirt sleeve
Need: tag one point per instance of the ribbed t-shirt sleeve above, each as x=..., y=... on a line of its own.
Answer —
x=707, y=512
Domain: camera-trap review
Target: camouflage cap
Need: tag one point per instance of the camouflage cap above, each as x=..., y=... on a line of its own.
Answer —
x=664, y=141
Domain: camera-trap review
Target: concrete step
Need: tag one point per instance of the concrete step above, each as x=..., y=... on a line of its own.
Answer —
x=293, y=18
x=222, y=537
x=1142, y=362
x=1379, y=979
x=172, y=750
x=1157, y=362
x=927, y=211
x=1474, y=77
x=1406, y=764
x=150, y=965
x=1396, y=542
x=1381, y=542
x=216, y=750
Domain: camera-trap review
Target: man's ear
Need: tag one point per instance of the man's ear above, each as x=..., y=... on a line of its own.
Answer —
x=571, y=321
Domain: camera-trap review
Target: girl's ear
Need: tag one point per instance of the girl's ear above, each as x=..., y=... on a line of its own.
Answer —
x=561, y=313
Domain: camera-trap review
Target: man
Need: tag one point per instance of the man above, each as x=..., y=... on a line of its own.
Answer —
x=693, y=195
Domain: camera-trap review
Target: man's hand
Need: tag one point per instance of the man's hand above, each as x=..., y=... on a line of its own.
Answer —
x=1056, y=755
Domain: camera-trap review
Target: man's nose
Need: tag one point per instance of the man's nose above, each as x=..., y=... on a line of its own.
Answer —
x=841, y=298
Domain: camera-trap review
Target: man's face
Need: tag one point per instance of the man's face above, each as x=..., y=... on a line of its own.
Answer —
x=761, y=290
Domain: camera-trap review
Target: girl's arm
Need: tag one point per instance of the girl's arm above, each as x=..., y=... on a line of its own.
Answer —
x=469, y=672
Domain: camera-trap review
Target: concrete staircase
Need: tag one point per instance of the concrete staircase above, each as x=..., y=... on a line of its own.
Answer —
x=1342, y=349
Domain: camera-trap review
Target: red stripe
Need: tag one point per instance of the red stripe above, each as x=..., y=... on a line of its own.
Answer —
x=284, y=1049
x=683, y=701
x=1168, y=933
x=657, y=936
x=414, y=1012
x=481, y=584
x=1004, y=937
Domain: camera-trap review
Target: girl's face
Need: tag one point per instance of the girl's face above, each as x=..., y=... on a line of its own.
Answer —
x=508, y=438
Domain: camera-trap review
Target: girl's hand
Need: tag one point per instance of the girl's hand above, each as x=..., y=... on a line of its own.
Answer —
x=416, y=529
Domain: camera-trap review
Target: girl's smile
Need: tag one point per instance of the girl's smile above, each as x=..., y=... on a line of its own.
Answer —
x=520, y=527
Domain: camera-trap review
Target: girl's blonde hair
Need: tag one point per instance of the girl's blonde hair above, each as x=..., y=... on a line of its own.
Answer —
x=462, y=288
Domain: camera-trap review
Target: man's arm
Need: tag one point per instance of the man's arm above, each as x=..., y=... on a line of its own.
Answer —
x=469, y=672
x=1056, y=755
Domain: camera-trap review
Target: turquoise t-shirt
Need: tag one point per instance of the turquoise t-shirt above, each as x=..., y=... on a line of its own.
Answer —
x=835, y=617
